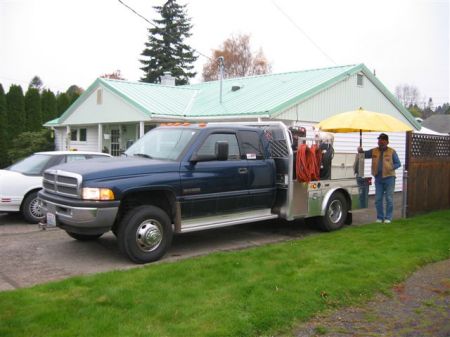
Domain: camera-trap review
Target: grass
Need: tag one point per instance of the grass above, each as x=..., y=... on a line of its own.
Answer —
x=254, y=292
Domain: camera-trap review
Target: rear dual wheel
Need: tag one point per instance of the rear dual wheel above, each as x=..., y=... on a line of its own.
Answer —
x=336, y=213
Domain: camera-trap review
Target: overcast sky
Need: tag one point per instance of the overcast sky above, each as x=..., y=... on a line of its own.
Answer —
x=74, y=42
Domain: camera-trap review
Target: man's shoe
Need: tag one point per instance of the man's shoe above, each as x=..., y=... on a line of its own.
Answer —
x=379, y=221
x=387, y=221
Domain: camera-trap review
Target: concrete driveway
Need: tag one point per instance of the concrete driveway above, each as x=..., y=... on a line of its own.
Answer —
x=30, y=256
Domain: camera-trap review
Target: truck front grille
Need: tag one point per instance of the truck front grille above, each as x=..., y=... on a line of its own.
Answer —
x=62, y=183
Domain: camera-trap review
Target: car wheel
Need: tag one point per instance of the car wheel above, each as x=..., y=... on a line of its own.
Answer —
x=335, y=214
x=31, y=210
x=144, y=234
x=84, y=237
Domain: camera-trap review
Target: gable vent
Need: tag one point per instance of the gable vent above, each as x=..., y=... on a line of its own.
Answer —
x=99, y=96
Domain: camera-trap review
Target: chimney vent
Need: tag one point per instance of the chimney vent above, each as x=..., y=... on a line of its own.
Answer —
x=236, y=87
x=167, y=79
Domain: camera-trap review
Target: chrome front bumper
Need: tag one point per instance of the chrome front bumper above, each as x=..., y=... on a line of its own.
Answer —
x=80, y=219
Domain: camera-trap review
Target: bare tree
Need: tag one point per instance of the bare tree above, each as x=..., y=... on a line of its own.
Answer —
x=239, y=60
x=407, y=94
x=115, y=75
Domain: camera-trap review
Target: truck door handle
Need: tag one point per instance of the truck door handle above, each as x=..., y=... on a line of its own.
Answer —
x=243, y=170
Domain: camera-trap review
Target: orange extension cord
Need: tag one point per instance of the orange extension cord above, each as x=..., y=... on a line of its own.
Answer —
x=308, y=163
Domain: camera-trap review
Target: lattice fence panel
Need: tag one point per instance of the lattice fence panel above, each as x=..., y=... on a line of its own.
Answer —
x=430, y=146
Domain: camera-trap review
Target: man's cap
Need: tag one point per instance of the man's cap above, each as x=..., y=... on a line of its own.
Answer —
x=383, y=136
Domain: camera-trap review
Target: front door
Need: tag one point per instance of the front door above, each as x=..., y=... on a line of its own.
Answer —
x=214, y=187
x=115, y=142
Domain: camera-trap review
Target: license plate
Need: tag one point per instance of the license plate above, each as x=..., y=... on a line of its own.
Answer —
x=51, y=220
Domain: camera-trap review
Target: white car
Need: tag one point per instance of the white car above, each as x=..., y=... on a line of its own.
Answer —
x=19, y=183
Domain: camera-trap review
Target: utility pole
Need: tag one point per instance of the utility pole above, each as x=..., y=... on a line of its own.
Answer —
x=221, y=66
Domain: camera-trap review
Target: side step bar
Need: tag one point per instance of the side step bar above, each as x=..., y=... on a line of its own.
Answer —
x=224, y=220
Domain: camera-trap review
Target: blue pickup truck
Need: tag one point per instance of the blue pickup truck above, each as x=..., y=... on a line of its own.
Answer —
x=188, y=177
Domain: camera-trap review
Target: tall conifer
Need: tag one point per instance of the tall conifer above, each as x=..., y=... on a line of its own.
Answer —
x=15, y=106
x=33, y=110
x=48, y=104
x=166, y=49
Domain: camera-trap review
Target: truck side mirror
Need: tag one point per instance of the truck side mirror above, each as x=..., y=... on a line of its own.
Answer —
x=220, y=153
x=221, y=150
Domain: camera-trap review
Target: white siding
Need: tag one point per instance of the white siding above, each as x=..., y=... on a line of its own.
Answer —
x=344, y=96
x=91, y=140
x=60, y=137
x=113, y=109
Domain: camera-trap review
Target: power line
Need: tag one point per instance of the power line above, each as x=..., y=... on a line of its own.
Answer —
x=154, y=25
x=303, y=32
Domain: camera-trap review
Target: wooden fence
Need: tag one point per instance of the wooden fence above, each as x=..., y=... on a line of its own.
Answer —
x=428, y=166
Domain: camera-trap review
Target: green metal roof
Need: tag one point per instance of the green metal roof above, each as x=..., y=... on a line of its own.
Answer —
x=53, y=122
x=154, y=99
x=264, y=95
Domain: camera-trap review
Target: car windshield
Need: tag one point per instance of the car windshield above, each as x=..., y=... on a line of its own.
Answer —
x=33, y=164
x=162, y=143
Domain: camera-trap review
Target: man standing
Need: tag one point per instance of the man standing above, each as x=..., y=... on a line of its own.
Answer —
x=384, y=163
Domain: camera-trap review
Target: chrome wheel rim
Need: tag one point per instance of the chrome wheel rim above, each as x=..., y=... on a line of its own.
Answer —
x=35, y=208
x=335, y=211
x=149, y=235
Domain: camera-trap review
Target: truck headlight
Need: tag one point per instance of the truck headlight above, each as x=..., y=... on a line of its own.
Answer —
x=89, y=193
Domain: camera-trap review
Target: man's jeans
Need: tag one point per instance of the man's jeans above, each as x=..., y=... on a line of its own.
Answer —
x=384, y=187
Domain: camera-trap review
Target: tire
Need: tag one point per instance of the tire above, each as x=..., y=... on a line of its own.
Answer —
x=31, y=210
x=84, y=237
x=336, y=213
x=145, y=234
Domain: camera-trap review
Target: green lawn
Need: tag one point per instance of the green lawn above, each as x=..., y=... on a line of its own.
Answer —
x=253, y=292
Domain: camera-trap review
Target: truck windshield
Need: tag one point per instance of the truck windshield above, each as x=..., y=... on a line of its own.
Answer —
x=161, y=143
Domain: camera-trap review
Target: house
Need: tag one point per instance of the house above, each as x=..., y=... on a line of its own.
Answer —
x=110, y=115
x=438, y=123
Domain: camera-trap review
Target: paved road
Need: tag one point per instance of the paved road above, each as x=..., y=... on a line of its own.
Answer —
x=30, y=256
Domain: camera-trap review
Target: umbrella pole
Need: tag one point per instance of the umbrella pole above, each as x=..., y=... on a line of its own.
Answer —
x=360, y=158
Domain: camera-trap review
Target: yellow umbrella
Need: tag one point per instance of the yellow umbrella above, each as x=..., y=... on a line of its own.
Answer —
x=362, y=120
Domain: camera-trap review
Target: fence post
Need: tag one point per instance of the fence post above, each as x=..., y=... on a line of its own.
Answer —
x=408, y=148
x=405, y=193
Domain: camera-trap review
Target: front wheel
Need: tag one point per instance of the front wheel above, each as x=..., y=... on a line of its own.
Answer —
x=31, y=210
x=145, y=234
x=336, y=213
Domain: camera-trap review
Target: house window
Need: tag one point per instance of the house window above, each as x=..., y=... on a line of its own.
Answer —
x=83, y=135
x=99, y=96
x=79, y=135
x=359, y=80
x=73, y=134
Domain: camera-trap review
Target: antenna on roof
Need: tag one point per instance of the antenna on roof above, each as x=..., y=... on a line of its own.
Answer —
x=221, y=60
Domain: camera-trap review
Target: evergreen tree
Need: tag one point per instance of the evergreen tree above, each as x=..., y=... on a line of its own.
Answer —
x=27, y=143
x=415, y=111
x=48, y=106
x=165, y=49
x=33, y=110
x=15, y=106
x=62, y=103
x=3, y=130
x=36, y=83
